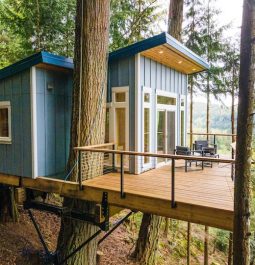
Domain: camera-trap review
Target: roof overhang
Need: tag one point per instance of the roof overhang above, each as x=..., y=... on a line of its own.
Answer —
x=164, y=49
x=40, y=59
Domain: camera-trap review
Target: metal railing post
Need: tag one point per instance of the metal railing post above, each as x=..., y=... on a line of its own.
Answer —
x=113, y=158
x=173, y=203
x=122, y=193
x=79, y=169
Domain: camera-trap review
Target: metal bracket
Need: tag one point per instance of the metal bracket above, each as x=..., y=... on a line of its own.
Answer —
x=100, y=218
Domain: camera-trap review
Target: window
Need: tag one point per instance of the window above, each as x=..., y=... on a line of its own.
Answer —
x=147, y=97
x=182, y=102
x=166, y=100
x=5, y=121
x=120, y=96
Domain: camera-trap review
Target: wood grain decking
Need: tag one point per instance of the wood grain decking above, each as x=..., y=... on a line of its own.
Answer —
x=210, y=189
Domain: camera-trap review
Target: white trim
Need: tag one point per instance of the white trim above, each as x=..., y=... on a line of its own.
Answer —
x=183, y=108
x=138, y=114
x=112, y=113
x=146, y=105
x=33, y=123
x=8, y=139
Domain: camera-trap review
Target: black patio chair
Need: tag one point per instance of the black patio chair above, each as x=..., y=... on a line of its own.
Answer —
x=185, y=151
x=203, y=147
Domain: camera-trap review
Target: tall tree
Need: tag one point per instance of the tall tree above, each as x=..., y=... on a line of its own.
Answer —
x=133, y=20
x=175, y=18
x=241, y=236
x=88, y=118
x=41, y=25
x=192, y=41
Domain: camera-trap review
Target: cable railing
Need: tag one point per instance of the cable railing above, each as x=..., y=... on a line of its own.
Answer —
x=103, y=159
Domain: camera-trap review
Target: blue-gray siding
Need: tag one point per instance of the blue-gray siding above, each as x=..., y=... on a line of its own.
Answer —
x=53, y=121
x=16, y=158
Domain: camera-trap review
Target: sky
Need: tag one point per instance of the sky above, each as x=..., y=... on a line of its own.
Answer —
x=231, y=12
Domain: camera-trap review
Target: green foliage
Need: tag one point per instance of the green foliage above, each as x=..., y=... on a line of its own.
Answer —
x=37, y=25
x=133, y=20
x=221, y=240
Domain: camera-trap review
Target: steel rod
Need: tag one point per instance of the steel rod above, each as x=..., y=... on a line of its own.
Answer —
x=114, y=228
x=39, y=233
x=173, y=203
x=122, y=194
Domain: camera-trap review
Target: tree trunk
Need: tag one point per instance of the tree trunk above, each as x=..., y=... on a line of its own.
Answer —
x=175, y=18
x=88, y=119
x=233, y=117
x=188, y=242
x=147, y=242
x=230, y=248
x=166, y=227
x=206, y=251
x=191, y=113
x=8, y=206
x=242, y=196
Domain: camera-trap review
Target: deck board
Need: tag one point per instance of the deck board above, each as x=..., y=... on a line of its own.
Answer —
x=211, y=188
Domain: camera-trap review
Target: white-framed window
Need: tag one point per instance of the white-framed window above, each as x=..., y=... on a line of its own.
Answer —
x=119, y=121
x=166, y=99
x=5, y=122
x=147, y=124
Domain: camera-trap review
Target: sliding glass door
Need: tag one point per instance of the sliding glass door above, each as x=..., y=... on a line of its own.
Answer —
x=165, y=133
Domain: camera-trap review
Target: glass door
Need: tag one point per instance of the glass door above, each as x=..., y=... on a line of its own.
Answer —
x=165, y=133
x=161, y=134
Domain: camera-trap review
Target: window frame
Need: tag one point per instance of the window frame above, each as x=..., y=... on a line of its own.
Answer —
x=6, y=105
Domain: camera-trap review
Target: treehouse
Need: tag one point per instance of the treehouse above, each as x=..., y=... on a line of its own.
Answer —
x=145, y=120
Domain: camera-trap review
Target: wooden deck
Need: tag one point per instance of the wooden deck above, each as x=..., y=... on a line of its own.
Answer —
x=203, y=197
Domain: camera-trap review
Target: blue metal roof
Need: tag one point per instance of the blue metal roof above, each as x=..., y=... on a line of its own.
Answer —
x=163, y=38
x=41, y=57
x=60, y=61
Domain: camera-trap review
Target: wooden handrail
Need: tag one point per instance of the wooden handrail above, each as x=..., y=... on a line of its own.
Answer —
x=211, y=134
x=119, y=152
x=99, y=145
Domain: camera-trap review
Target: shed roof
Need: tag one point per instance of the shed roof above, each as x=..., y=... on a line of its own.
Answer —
x=38, y=58
x=167, y=50
x=162, y=48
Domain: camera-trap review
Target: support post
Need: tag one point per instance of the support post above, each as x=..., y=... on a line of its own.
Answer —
x=122, y=193
x=173, y=203
x=113, y=159
x=214, y=139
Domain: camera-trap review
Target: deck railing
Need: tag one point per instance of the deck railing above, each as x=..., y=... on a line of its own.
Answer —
x=110, y=149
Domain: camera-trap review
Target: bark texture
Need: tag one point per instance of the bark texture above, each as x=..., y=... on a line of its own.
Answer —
x=206, y=243
x=147, y=242
x=175, y=18
x=88, y=119
x=188, y=242
x=241, y=235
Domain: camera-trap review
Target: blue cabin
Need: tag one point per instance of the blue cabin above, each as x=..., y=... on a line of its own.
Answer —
x=146, y=106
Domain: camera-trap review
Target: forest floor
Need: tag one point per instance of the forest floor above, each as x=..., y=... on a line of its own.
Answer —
x=19, y=243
